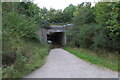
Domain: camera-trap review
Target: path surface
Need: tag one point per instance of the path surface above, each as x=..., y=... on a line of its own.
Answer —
x=62, y=64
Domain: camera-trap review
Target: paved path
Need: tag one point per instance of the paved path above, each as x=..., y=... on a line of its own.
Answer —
x=62, y=64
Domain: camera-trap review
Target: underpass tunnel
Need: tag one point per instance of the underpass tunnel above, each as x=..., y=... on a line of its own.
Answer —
x=57, y=38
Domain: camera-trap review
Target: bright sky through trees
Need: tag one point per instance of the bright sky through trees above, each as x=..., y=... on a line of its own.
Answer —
x=60, y=4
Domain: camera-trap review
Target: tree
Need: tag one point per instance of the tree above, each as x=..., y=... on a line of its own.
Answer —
x=107, y=14
x=51, y=15
x=29, y=9
x=68, y=13
x=84, y=14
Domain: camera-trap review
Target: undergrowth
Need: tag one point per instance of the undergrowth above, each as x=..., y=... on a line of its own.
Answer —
x=31, y=55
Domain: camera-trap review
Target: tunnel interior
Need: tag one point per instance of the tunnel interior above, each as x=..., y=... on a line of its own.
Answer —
x=56, y=38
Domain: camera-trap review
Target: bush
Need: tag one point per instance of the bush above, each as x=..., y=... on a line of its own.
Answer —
x=29, y=57
x=44, y=24
x=92, y=36
x=17, y=25
x=83, y=35
x=22, y=51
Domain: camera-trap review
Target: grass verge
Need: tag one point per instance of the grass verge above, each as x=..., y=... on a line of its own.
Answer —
x=0, y=73
x=110, y=61
x=30, y=56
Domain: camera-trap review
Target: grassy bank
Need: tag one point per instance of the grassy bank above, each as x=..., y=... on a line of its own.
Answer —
x=0, y=73
x=31, y=55
x=103, y=59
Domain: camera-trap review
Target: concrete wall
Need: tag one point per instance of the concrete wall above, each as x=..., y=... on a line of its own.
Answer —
x=42, y=33
x=64, y=39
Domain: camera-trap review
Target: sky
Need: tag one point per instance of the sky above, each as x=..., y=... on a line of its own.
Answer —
x=60, y=4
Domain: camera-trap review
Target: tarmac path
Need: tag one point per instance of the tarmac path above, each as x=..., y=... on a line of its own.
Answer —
x=62, y=64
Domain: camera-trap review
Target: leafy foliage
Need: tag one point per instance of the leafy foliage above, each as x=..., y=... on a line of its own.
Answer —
x=17, y=25
x=96, y=27
x=107, y=14
x=30, y=56
x=22, y=51
x=68, y=13
x=84, y=14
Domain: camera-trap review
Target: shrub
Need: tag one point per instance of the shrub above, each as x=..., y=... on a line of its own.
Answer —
x=44, y=23
x=29, y=57
x=22, y=51
x=92, y=36
x=83, y=35
x=16, y=25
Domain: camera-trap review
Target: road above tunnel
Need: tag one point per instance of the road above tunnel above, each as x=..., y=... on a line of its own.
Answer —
x=62, y=64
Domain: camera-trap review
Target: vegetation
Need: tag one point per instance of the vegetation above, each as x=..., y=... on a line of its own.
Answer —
x=95, y=27
x=104, y=59
x=30, y=56
x=0, y=73
x=22, y=50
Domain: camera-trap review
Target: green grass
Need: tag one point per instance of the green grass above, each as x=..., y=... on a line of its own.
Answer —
x=0, y=73
x=100, y=59
x=32, y=56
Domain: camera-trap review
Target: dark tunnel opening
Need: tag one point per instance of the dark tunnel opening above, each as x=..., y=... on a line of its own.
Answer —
x=56, y=39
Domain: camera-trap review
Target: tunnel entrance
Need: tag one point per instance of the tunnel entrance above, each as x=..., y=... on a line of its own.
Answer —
x=57, y=39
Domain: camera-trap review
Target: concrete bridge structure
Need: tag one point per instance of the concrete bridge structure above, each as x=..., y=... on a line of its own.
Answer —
x=55, y=35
